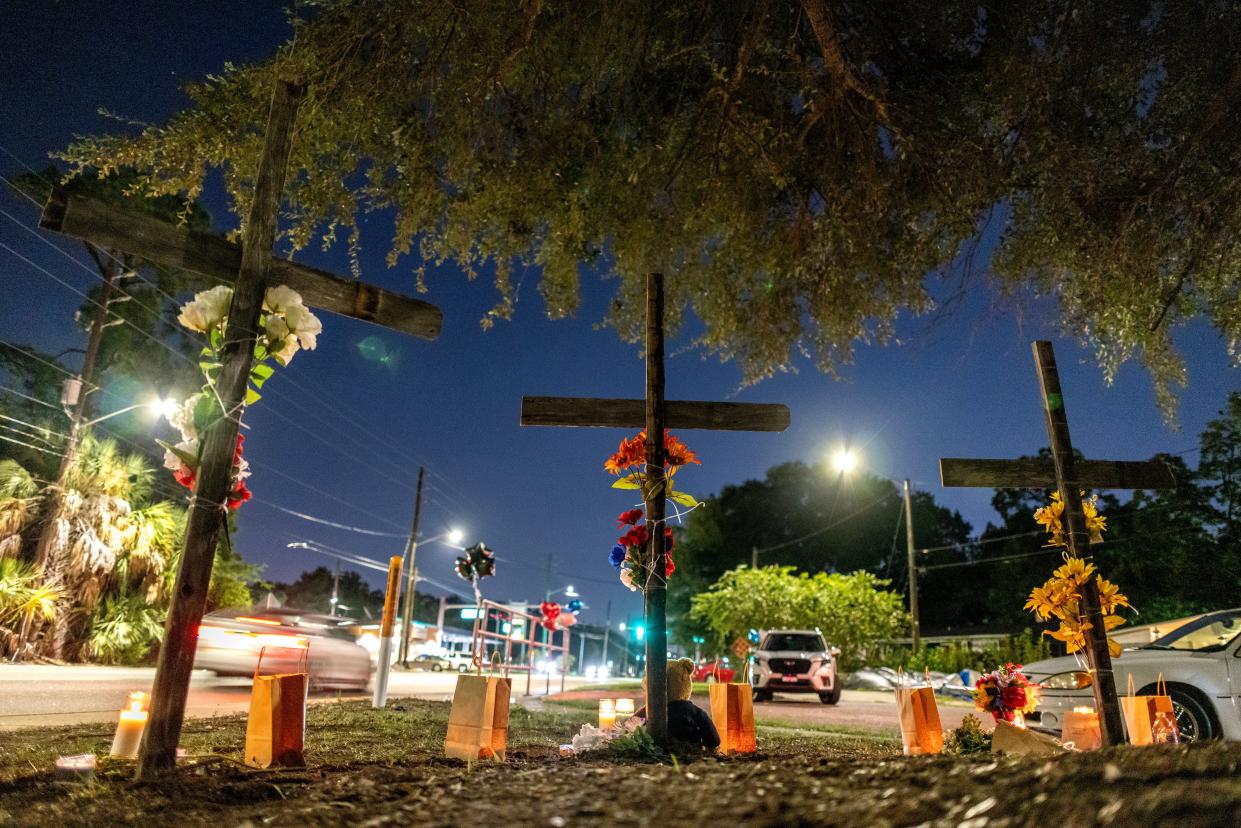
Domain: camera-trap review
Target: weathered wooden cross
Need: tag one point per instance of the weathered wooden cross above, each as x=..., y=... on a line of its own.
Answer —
x=1070, y=476
x=655, y=414
x=250, y=267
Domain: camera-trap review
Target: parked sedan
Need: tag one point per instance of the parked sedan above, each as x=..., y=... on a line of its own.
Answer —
x=1200, y=661
x=431, y=661
x=231, y=641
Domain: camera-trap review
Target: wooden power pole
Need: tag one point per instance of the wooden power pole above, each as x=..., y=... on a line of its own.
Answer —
x=411, y=585
x=915, y=626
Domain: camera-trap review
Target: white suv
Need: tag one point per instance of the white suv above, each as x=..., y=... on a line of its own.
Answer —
x=795, y=661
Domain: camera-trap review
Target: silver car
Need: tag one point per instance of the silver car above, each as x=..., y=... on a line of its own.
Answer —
x=230, y=641
x=1200, y=662
x=795, y=661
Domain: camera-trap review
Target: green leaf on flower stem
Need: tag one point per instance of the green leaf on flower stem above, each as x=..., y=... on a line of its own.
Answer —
x=217, y=338
x=252, y=396
x=633, y=481
x=184, y=456
x=204, y=410
x=684, y=499
x=260, y=373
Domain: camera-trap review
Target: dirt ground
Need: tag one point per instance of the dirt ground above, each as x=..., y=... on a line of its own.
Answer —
x=372, y=768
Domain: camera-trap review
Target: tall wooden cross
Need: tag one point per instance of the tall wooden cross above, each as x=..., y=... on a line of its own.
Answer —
x=250, y=267
x=1070, y=476
x=655, y=414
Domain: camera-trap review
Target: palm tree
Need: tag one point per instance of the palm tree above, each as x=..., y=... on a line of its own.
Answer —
x=110, y=540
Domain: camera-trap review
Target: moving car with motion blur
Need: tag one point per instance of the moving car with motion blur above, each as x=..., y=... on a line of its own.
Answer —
x=230, y=641
x=716, y=668
x=795, y=661
x=1200, y=663
x=434, y=662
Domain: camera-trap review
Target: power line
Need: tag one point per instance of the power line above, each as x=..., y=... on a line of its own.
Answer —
x=830, y=526
x=28, y=397
x=357, y=529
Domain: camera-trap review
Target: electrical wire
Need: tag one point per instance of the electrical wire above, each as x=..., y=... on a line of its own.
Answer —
x=830, y=526
x=357, y=529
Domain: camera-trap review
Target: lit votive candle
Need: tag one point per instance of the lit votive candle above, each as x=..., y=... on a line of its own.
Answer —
x=1081, y=727
x=1019, y=720
x=607, y=713
x=128, y=736
x=624, y=708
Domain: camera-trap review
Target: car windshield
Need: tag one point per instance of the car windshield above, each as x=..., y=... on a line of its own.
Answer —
x=1206, y=635
x=794, y=641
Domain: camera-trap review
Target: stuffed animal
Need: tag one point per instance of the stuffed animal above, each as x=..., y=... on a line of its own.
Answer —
x=687, y=722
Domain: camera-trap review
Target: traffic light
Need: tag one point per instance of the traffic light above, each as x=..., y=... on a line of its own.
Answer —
x=698, y=639
x=639, y=631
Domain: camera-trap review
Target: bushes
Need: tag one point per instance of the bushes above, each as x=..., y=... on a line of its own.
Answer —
x=852, y=611
x=124, y=630
x=1022, y=648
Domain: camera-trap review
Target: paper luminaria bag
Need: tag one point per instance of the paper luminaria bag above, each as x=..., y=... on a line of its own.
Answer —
x=1081, y=728
x=921, y=731
x=1142, y=711
x=478, y=720
x=732, y=712
x=276, y=728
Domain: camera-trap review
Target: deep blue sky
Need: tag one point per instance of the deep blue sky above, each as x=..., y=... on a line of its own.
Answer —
x=960, y=384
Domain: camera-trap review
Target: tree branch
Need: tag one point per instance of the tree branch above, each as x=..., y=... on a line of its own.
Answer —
x=833, y=58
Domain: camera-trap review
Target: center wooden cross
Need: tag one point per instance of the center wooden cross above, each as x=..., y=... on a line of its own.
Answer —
x=655, y=414
x=1070, y=476
x=249, y=267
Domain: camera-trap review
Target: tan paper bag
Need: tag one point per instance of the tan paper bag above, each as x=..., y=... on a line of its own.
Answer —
x=732, y=711
x=478, y=720
x=921, y=731
x=1081, y=727
x=276, y=727
x=1141, y=712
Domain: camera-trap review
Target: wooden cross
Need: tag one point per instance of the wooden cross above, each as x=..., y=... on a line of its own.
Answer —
x=655, y=414
x=1070, y=476
x=249, y=267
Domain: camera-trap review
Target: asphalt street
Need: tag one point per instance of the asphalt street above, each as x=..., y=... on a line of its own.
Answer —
x=36, y=694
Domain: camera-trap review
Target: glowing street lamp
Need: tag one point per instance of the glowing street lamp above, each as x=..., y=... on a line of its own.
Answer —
x=844, y=460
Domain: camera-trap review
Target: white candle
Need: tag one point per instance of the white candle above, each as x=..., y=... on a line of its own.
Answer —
x=80, y=768
x=128, y=736
x=607, y=713
x=624, y=708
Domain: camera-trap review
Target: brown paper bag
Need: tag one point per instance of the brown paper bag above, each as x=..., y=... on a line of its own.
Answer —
x=478, y=720
x=1141, y=712
x=276, y=727
x=732, y=711
x=921, y=731
x=1008, y=738
x=1081, y=727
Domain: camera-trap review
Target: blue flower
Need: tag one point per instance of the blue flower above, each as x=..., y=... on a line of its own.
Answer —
x=618, y=556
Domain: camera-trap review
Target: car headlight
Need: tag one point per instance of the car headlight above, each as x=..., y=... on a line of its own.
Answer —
x=1072, y=680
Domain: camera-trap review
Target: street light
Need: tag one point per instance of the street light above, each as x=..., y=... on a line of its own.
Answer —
x=846, y=461
x=158, y=407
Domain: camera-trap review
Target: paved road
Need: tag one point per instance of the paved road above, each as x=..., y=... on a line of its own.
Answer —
x=863, y=709
x=33, y=695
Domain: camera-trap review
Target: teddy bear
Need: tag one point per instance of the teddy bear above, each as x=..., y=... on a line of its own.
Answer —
x=687, y=722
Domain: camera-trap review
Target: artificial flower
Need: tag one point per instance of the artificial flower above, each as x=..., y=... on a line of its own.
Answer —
x=208, y=310
x=677, y=453
x=636, y=536
x=304, y=325
x=238, y=496
x=631, y=452
x=626, y=577
x=280, y=298
x=618, y=556
x=628, y=518
x=669, y=540
x=182, y=417
x=1075, y=570
x=669, y=566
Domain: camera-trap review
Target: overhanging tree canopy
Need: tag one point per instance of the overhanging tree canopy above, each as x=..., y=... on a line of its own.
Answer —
x=796, y=167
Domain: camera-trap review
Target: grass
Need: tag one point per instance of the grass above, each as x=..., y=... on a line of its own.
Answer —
x=386, y=767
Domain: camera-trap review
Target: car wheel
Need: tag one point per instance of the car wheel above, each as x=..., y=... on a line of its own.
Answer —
x=461, y=668
x=437, y=668
x=1194, y=717
x=830, y=697
x=762, y=695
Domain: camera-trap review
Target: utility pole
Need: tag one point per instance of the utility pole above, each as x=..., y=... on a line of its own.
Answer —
x=915, y=627
x=335, y=589
x=439, y=618
x=547, y=578
x=77, y=395
x=607, y=630
x=411, y=586
x=753, y=557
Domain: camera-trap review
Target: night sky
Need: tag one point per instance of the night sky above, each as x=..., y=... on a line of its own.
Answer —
x=960, y=383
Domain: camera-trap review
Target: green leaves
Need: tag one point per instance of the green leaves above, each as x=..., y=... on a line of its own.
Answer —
x=683, y=499
x=633, y=481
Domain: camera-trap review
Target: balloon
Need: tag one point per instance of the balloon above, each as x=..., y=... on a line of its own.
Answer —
x=566, y=619
x=551, y=611
x=574, y=606
x=478, y=562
